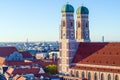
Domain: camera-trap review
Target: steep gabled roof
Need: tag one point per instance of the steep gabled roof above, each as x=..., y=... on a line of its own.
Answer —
x=6, y=51
x=98, y=53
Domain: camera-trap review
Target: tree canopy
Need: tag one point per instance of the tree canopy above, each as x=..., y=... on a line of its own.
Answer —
x=51, y=69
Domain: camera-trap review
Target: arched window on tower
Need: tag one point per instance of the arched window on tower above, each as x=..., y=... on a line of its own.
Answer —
x=89, y=76
x=72, y=73
x=83, y=75
x=109, y=77
x=78, y=24
x=116, y=77
x=71, y=24
x=77, y=74
x=63, y=23
x=95, y=76
x=102, y=76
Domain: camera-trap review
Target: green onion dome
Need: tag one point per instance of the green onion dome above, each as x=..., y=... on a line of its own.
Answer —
x=67, y=8
x=82, y=10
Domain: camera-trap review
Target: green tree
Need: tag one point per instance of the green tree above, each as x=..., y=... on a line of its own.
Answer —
x=51, y=69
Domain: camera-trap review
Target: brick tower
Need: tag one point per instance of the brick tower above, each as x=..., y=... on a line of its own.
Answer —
x=67, y=38
x=82, y=25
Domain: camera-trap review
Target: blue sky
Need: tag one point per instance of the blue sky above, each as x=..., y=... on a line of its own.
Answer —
x=39, y=20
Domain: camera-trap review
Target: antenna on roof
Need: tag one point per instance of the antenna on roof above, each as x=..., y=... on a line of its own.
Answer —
x=102, y=38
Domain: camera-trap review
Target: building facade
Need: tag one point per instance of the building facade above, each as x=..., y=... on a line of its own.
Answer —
x=67, y=41
x=80, y=58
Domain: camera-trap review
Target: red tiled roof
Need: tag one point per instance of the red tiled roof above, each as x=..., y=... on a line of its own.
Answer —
x=26, y=71
x=8, y=73
x=98, y=53
x=18, y=63
x=43, y=64
x=26, y=54
x=6, y=51
x=29, y=63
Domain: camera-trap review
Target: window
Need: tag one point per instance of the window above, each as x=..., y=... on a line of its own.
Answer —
x=86, y=24
x=83, y=75
x=78, y=24
x=67, y=68
x=71, y=73
x=63, y=15
x=89, y=76
x=63, y=23
x=95, y=76
x=71, y=24
x=116, y=77
x=77, y=74
x=102, y=77
x=109, y=77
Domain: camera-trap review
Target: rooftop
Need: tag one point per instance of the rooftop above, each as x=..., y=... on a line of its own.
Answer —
x=97, y=53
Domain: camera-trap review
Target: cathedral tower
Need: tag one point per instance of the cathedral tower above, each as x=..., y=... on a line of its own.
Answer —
x=82, y=25
x=67, y=38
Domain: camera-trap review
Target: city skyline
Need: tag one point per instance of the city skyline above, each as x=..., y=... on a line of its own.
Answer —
x=40, y=20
